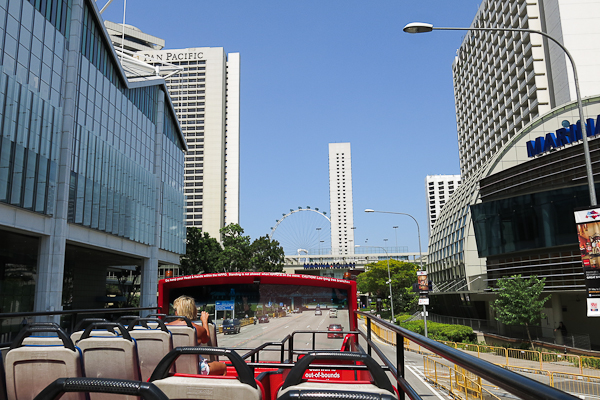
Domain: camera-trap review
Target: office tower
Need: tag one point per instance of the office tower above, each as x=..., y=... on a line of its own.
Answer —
x=438, y=188
x=340, y=199
x=206, y=95
x=91, y=162
x=504, y=80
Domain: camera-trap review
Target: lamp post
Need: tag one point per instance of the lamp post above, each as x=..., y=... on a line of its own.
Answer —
x=389, y=282
x=368, y=210
x=319, y=230
x=420, y=27
x=396, y=232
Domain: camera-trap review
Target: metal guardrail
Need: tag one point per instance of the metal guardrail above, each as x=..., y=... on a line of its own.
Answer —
x=512, y=382
x=6, y=338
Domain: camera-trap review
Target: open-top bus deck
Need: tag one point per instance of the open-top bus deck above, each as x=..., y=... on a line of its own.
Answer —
x=293, y=356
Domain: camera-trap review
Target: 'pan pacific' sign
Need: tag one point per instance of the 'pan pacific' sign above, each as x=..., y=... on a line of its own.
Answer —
x=562, y=137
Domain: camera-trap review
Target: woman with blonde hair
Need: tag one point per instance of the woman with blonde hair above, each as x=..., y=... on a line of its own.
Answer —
x=185, y=306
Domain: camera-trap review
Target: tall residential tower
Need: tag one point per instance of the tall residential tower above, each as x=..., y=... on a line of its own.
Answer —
x=439, y=188
x=340, y=199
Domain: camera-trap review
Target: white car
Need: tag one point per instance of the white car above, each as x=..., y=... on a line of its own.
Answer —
x=318, y=312
x=333, y=313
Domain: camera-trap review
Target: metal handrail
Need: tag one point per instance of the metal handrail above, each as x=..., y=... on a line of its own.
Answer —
x=4, y=316
x=512, y=382
x=66, y=312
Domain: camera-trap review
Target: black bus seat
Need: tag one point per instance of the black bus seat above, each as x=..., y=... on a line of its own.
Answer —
x=295, y=385
x=154, y=341
x=242, y=386
x=30, y=368
x=115, y=387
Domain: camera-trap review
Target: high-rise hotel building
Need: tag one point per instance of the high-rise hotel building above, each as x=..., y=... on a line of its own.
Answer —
x=206, y=95
x=340, y=199
x=504, y=81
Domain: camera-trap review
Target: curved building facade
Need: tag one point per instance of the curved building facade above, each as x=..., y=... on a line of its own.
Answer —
x=515, y=216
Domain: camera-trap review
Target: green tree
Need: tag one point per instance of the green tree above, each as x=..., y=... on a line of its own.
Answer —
x=267, y=255
x=235, y=256
x=403, y=275
x=519, y=302
x=202, y=253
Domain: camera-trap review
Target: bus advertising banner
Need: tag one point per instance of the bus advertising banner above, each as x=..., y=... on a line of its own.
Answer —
x=588, y=233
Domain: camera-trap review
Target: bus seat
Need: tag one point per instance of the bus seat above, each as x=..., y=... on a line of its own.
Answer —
x=295, y=386
x=79, y=329
x=2, y=380
x=46, y=340
x=30, y=368
x=109, y=357
x=243, y=386
x=152, y=343
x=184, y=336
x=212, y=334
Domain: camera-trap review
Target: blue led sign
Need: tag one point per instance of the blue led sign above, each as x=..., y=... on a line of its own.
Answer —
x=562, y=137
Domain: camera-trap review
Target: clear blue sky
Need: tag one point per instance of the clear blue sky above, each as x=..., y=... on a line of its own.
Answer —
x=320, y=71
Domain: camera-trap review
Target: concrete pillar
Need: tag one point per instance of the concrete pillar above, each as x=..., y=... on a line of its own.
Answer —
x=149, y=284
x=48, y=296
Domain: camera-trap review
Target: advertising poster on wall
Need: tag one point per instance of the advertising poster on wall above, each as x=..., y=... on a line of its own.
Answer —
x=588, y=233
x=592, y=307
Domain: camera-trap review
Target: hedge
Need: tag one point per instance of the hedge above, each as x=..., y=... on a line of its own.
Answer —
x=437, y=331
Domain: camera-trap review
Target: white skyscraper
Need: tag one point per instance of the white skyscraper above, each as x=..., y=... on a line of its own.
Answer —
x=206, y=95
x=504, y=80
x=340, y=199
x=439, y=188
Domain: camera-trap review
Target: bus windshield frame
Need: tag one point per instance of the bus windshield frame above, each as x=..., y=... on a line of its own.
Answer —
x=168, y=285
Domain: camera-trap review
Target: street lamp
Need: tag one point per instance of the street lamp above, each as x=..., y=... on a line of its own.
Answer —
x=420, y=27
x=368, y=210
x=319, y=230
x=389, y=282
x=396, y=231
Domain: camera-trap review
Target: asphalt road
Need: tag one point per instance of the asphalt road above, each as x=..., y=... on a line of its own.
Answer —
x=252, y=336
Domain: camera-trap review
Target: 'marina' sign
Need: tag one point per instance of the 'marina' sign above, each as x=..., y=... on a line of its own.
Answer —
x=562, y=137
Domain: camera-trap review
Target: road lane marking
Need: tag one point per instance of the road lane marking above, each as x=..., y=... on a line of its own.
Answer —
x=418, y=376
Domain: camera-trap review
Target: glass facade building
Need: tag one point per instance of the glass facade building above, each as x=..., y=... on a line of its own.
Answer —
x=89, y=158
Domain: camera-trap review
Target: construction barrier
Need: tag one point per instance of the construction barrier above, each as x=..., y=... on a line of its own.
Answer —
x=458, y=382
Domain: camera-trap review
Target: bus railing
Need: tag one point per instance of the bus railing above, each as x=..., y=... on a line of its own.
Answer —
x=512, y=382
x=21, y=319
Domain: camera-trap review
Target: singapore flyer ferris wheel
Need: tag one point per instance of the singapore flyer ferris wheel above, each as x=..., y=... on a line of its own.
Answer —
x=303, y=230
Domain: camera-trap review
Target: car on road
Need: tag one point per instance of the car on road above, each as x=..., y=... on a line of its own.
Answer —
x=333, y=313
x=318, y=311
x=296, y=311
x=231, y=326
x=335, y=331
x=263, y=319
